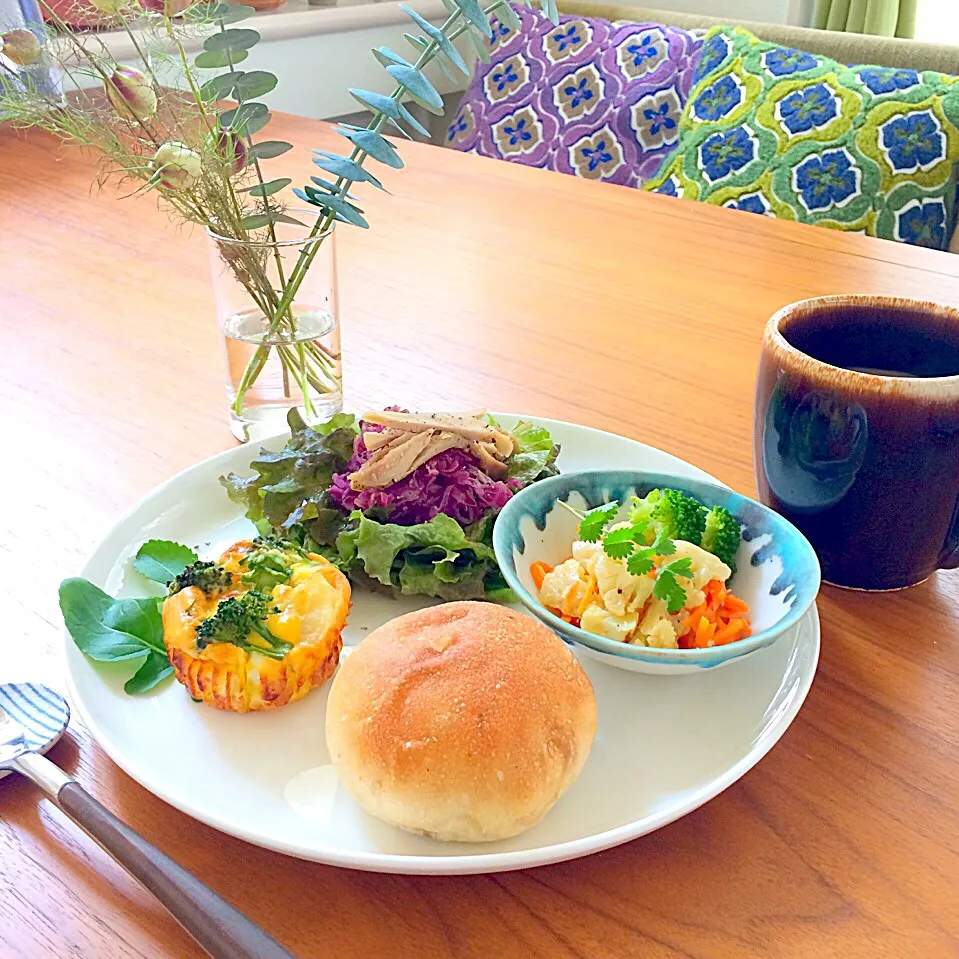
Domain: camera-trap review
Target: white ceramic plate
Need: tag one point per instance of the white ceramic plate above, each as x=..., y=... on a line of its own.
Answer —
x=665, y=746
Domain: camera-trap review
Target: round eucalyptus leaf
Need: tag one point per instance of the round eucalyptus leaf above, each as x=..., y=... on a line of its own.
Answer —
x=220, y=87
x=246, y=119
x=237, y=12
x=254, y=84
x=206, y=12
x=231, y=40
x=256, y=221
x=212, y=59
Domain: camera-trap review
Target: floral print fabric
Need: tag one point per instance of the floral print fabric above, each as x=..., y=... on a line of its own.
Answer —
x=588, y=97
x=784, y=133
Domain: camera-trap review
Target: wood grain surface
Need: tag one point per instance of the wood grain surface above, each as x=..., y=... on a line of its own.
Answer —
x=480, y=283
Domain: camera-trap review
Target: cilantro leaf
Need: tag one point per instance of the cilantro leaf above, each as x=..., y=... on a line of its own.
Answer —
x=668, y=589
x=162, y=560
x=641, y=562
x=663, y=545
x=681, y=567
x=619, y=543
x=595, y=521
x=639, y=531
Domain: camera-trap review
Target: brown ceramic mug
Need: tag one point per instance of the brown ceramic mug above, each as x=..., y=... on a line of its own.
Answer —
x=856, y=434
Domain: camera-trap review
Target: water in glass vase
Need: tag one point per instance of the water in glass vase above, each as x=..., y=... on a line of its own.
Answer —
x=299, y=367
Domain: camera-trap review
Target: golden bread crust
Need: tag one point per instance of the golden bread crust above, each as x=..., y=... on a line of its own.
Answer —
x=462, y=721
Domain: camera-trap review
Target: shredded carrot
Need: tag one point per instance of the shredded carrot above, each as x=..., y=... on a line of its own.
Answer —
x=538, y=571
x=722, y=618
x=729, y=633
x=693, y=617
x=590, y=589
x=735, y=605
x=704, y=631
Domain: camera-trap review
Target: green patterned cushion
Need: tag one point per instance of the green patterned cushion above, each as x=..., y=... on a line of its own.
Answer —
x=788, y=134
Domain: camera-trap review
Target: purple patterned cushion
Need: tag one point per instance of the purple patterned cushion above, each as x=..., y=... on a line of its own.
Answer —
x=589, y=97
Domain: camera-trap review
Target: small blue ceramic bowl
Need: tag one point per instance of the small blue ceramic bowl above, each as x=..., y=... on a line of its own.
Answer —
x=777, y=570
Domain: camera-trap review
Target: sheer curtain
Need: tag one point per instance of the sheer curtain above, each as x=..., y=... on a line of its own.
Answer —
x=937, y=21
x=888, y=18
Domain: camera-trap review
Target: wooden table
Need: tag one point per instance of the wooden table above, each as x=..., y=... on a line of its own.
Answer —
x=480, y=283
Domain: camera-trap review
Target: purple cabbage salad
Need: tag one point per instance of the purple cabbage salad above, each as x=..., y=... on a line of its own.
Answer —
x=428, y=533
x=452, y=483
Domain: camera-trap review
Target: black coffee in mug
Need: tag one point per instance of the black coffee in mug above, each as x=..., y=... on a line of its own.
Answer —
x=856, y=434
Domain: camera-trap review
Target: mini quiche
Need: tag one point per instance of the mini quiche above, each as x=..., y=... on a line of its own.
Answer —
x=259, y=628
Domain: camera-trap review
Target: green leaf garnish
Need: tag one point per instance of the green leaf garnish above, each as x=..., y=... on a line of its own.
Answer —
x=436, y=558
x=663, y=545
x=163, y=560
x=629, y=543
x=668, y=589
x=108, y=629
x=111, y=630
x=595, y=521
x=154, y=669
x=535, y=456
x=641, y=562
x=619, y=543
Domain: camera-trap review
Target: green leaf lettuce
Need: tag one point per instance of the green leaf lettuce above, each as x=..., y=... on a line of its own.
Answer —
x=429, y=559
x=284, y=482
x=536, y=455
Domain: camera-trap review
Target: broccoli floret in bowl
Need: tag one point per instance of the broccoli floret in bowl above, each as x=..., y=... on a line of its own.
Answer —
x=722, y=535
x=670, y=513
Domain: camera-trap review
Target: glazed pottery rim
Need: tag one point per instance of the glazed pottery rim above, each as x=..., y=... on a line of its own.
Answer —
x=665, y=656
x=774, y=336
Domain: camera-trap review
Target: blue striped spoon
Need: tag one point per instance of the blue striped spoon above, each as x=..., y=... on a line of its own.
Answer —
x=41, y=713
x=32, y=719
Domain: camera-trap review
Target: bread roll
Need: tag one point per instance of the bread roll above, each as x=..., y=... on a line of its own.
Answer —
x=464, y=722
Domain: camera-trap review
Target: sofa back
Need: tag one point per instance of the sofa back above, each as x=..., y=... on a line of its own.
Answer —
x=844, y=47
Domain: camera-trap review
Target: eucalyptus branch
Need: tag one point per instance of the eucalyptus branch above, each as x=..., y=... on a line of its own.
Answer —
x=278, y=314
x=174, y=145
x=450, y=30
x=379, y=119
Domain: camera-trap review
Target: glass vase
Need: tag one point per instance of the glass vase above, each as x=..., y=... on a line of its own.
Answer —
x=280, y=326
